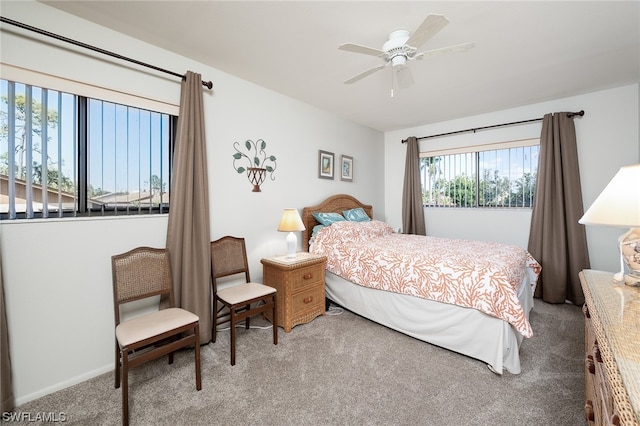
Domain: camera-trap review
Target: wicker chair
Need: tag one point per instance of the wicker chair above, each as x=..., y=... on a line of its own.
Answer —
x=228, y=258
x=137, y=274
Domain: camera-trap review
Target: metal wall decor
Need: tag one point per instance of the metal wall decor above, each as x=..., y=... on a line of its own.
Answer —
x=258, y=163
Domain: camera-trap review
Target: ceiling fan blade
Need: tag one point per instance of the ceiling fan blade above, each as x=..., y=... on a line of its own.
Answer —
x=357, y=48
x=404, y=77
x=451, y=49
x=366, y=73
x=431, y=25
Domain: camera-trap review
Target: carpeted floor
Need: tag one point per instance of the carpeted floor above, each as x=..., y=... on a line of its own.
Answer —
x=345, y=370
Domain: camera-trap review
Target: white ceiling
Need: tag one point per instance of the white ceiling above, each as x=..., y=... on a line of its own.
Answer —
x=526, y=52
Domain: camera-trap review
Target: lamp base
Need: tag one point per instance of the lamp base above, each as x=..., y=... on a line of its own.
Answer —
x=632, y=280
x=292, y=242
x=630, y=257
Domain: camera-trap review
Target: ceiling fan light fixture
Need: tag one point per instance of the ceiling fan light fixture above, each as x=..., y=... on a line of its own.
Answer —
x=399, y=61
x=397, y=39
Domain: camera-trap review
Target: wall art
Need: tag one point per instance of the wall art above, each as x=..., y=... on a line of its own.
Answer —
x=325, y=164
x=257, y=161
x=346, y=168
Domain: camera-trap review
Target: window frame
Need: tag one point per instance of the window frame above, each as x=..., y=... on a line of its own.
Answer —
x=476, y=151
x=81, y=208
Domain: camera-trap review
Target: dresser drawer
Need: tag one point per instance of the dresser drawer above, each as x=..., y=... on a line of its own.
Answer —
x=308, y=299
x=307, y=276
x=307, y=305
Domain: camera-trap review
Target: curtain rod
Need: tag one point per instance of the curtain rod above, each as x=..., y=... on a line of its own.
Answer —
x=569, y=114
x=208, y=84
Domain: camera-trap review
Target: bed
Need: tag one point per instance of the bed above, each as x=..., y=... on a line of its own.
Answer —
x=474, y=298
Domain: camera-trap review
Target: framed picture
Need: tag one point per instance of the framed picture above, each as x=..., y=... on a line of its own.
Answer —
x=346, y=168
x=325, y=164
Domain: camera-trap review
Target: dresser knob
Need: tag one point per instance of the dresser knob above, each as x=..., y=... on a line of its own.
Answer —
x=588, y=411
x=307, y=276
x=308, y=299
x=596, y=353
x=590, y=364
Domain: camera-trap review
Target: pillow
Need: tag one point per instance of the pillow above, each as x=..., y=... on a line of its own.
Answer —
x=328, y=218
x=316, y=229
x=356, y=215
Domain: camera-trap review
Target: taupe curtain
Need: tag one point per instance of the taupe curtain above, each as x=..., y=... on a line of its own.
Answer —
x=556, y=239
x=412, y=207
x=6, y=392
x=188, y=235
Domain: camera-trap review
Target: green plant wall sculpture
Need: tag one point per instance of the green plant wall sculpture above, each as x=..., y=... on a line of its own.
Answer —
x=257, y=161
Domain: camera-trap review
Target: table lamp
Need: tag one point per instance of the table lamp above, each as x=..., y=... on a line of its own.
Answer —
x=291, y=222
x=619, y=205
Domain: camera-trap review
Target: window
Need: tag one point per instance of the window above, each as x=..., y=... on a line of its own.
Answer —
x=68, y=155
x=487, y=177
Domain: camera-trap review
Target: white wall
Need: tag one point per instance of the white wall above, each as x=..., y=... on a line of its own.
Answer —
x=57, y=276
x=607, y=137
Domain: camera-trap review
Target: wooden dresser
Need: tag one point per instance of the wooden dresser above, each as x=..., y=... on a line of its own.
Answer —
x=300, y=286
x=612, y=347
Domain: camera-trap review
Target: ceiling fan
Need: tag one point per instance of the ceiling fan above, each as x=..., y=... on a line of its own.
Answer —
x=402, y=47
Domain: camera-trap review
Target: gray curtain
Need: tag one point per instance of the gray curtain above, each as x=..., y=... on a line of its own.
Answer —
x=412, y=207
x=556, y=239
x=6, y=392
x=188, y=236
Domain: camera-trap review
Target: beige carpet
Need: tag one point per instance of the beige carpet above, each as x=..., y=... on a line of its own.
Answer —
x=345, y=370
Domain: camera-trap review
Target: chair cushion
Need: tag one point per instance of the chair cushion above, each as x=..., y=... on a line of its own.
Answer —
x=153, y=324
x=242, y=292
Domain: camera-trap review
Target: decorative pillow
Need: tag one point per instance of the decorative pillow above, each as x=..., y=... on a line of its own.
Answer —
x=316, y=229
x=328, y=218
x=356, y=215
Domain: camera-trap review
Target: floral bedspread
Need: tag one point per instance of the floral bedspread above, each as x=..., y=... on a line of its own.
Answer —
x=474, y=274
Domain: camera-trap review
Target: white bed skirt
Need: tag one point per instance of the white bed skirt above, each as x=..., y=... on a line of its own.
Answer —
x=463, y=330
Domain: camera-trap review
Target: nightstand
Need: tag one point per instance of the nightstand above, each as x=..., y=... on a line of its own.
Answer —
x=300, y=286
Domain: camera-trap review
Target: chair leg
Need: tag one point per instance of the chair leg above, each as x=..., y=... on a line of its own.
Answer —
x=197, y=350
x=247, y=320
x=214, y=329
x=216, y=317
x=232, y=321
x=274, y=324
x=118, y=369
x=125, y=388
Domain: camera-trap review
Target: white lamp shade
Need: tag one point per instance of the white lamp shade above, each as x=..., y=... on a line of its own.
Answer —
x=290, y=221
x=619, y=203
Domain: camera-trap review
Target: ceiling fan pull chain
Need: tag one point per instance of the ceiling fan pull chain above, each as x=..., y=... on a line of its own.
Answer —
x=392, y=82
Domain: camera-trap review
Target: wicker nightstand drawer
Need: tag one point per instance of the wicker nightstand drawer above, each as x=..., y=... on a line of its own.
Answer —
x=303, y=277
x=300, y=286
x=308, y=300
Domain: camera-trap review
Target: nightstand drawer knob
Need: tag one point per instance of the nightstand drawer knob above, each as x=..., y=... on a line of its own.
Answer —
x=307, y=276
x=308, y=299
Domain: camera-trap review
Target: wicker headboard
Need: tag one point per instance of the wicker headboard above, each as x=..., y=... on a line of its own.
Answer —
x=334, y=204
